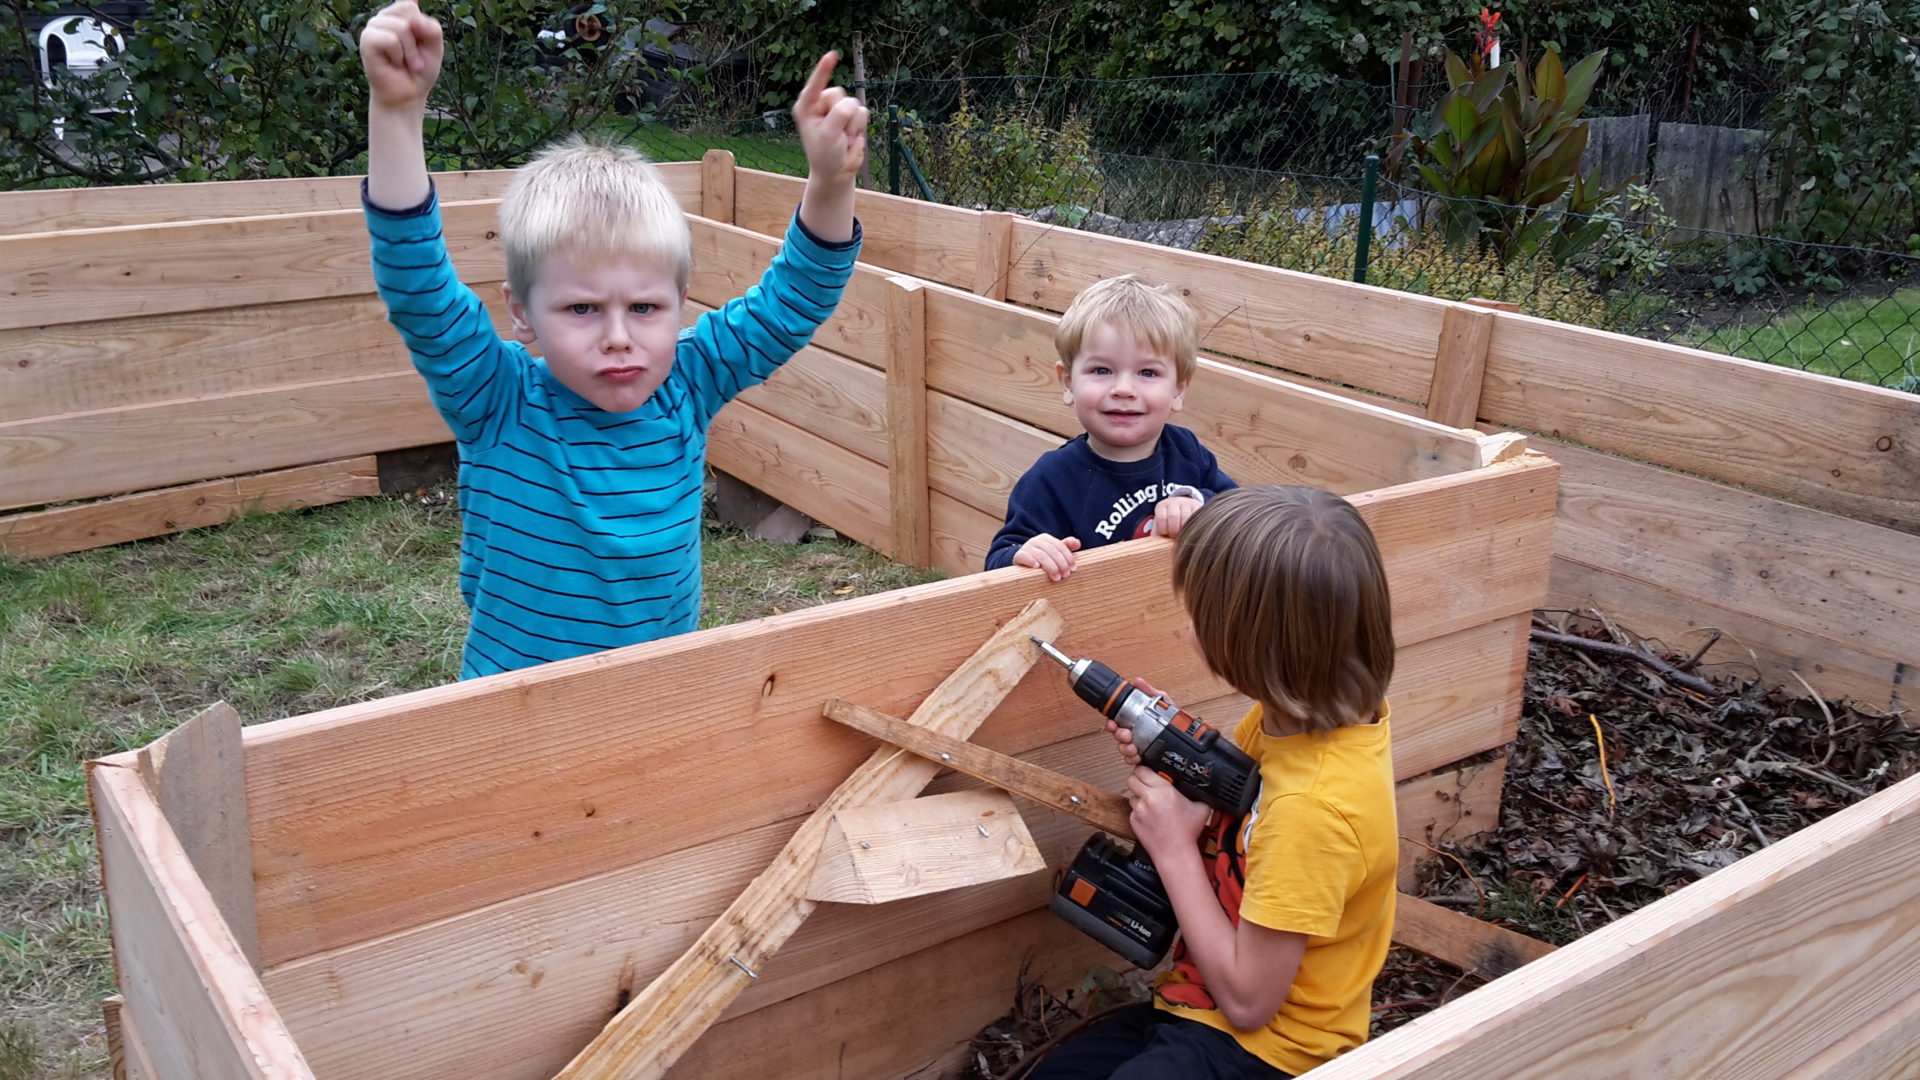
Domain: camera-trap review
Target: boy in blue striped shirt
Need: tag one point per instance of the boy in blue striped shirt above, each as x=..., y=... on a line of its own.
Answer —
x=581, y=469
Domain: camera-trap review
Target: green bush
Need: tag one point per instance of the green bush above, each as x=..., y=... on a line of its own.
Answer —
x=1011, y=161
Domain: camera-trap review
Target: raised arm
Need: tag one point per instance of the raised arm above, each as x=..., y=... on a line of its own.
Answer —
x=833, y=129
x=401, y=49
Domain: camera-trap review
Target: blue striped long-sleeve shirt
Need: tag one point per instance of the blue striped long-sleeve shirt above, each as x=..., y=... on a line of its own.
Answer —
x=582, y=527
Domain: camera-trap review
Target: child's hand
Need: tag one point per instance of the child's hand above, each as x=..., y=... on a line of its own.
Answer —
x=401, y=49
x=1049, y=553
x=1170, y=515
x=1124, y=736
x=1164, y=820
x=832, y=126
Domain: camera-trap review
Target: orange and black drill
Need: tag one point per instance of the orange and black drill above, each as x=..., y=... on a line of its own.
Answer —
x=1114, y=894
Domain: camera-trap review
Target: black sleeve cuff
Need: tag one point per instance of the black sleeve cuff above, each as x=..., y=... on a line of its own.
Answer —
x=845, y=245
x=422, y=210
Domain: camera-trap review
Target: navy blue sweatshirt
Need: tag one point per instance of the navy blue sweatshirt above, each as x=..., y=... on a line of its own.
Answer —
x=1075, y=492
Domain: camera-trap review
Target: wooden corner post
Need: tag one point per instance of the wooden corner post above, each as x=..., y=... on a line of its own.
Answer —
x=716, y=186
x=1460, y=365
x=907, y=421
x=994, y=255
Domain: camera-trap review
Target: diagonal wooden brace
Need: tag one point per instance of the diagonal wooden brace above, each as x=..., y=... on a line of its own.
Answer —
x=644, y=1039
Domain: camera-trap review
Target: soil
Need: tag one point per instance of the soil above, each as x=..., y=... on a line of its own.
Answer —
x=1633, y=774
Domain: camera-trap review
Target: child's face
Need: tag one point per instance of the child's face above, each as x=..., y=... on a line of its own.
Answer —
x=1122, y=392
x=606, y=325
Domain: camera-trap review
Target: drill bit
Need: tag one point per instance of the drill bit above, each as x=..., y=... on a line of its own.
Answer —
x=1065, y=661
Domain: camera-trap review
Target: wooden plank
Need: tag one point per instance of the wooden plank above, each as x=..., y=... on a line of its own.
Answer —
x=130, y=1060
x=889, y=1021
x=511, y=988
x=1461, y=940
x=803, y=470
x=727, y=261
x=110, y=1008
x=907, y=433
x=1460, y=366
x=716, y=186
x=976, y=455
x=1844, y=447
x=1355, y=334
x=197, y=775
x=88, y=366
x=1812, y=586
x=961, y=533
x=387, y=814
x=840, y=400
x=1445, y=807
x=1101, y=809
x=1003, y=359
x=1886, y=1045
x=66, y=209
x=92, y=274
x=646, y=1037
x=41, y=533
x=82, y=455
x=1748, y=972
x=914, y=847
x=927, y=240
x=995, y=257
x=202, y=1011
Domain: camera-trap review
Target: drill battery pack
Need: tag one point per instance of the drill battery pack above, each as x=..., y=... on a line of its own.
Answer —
x=1114, y=896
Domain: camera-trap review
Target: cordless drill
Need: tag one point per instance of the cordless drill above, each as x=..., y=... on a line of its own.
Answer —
x=1111, y=893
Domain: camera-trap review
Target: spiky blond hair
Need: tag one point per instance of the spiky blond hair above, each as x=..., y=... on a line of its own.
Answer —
x=591, y=198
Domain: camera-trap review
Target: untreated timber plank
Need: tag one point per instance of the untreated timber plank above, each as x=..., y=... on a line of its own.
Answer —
x=41, y=533
x=1844, y=587
x=1445, y=807
x=128, y=1057
x=811, y=474
x=1460, y=366
x=1748, y=972
x=93, y=274
x=83, y=455
x=201, y=1010
x=1461, y=940
x=1002, y=357
x=196, y=773
x=1839, y=446
x=716, y=186
x=907, y=429
x=727, y=261
x=387, y=814
x=646, y=1037
x=893, y=851
x=1885, y=1046
x=1368, y=337
x=65, y=209
x=927, y=240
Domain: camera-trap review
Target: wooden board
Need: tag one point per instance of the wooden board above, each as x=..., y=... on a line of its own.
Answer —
x=1749, y=972
x=914, y=847
x=727, y=261
x=141, y=204
x=1002, y=358
x=907, y=432
x=196, y=774
x=1886, y=1045
x=1445, y=807
x=92, y=274
x=803, y=470
x=1813, y=586
x=1839, y=446
x=1361, y=335
x=927, y=240
x=202, y=1012
x=364, y=817
x=128, y=1057
x=1461, y=940
x=81, y=455
x=41, y=533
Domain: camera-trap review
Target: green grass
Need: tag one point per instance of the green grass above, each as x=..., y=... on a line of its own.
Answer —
x=278, y=615
x=1872, y=339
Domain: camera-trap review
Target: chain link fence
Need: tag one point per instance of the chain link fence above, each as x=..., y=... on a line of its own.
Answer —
x=1273, y=170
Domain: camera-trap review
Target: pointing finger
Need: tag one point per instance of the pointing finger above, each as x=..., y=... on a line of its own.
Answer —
x=817, y=82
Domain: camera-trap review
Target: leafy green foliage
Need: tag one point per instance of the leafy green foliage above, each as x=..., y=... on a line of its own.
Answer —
x=1845, y=153
x=227, y=90
x=1013, y=160
x=1500, y=148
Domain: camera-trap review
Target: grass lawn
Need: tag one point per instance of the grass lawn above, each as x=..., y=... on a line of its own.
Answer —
x=278, y=615
x=1873, y=339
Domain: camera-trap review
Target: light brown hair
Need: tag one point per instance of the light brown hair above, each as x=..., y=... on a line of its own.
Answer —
x=1289, y=602
x=1155, y=316
x=588, y=198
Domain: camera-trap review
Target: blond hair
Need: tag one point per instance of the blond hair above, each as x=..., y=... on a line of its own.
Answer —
x=590, y=198
x=1289, y=602
x=1156, y=316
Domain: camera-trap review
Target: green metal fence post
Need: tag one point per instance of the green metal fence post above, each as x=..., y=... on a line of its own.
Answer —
x=1360, y=250
x=893, y=149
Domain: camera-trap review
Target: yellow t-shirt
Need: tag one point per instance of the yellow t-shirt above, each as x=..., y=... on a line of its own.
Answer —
x=1317, y=856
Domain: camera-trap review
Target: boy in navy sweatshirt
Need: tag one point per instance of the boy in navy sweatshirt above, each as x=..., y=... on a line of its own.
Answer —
x=1127, y=353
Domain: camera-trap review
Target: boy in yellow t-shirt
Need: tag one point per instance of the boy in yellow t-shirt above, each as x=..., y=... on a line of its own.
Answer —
x=1285, y=915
